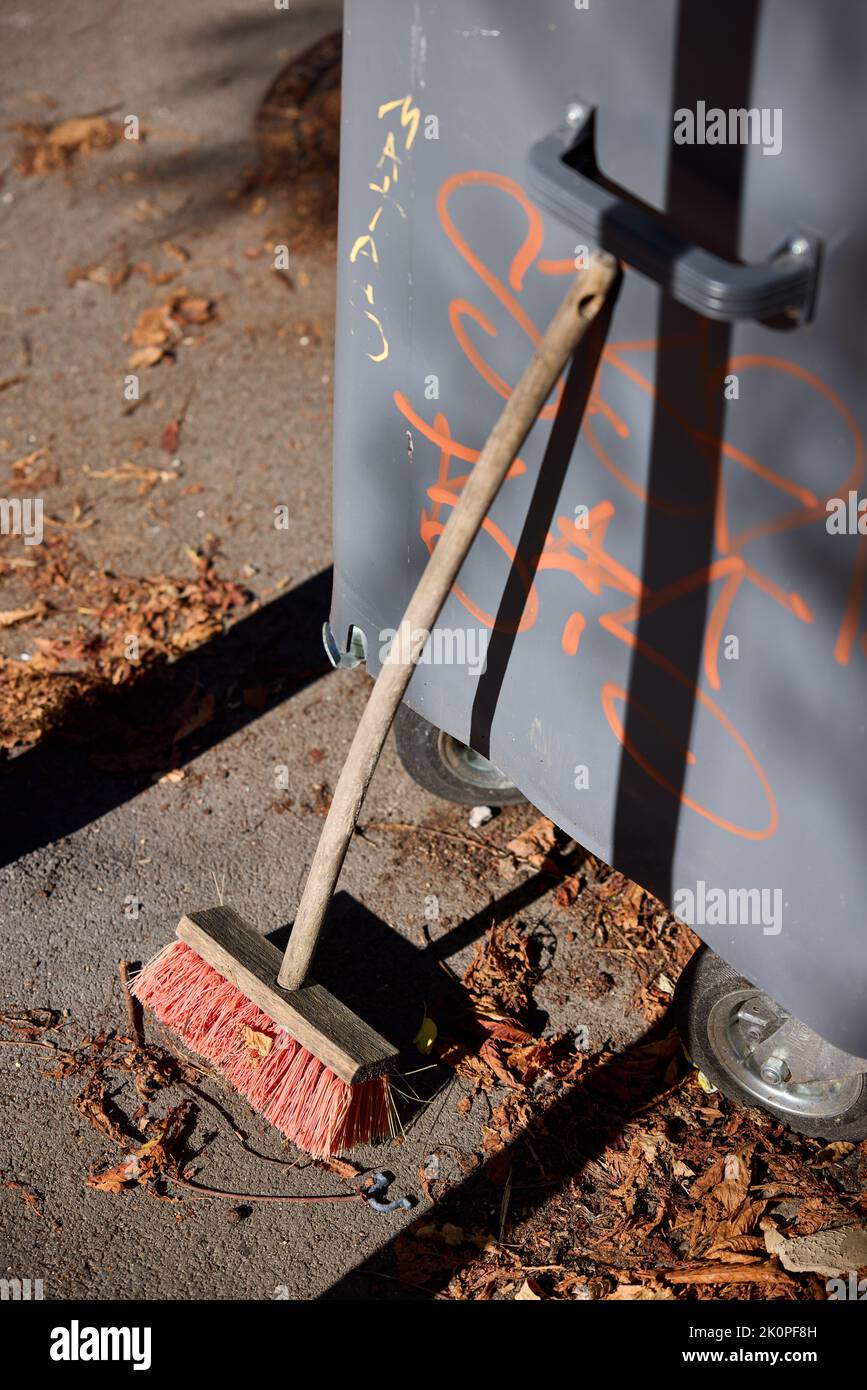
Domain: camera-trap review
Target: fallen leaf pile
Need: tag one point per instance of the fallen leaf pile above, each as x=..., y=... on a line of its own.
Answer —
x=609, y=1174
x=153, y=1146
x=133, y=624
x=623, y=916
x=104, y=1061
x=152, y=1162
x=501, y=974
x=46, y=148
x=129, y=1098
x=497, y=1045
x=298, y=132
x=298, y=122
x=621, y=1181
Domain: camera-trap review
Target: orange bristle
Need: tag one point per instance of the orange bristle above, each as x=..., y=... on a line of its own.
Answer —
x=296, y=1092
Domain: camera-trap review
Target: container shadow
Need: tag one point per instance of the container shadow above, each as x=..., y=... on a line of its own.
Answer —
x=55, y=789
x=713, y=62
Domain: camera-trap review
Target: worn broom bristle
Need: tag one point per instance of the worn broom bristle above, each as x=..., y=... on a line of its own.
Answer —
x=312, y=1106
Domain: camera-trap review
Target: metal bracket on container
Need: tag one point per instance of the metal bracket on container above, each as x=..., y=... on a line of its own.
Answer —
x=356, y=649
x=785, y=1050
x=564, y=177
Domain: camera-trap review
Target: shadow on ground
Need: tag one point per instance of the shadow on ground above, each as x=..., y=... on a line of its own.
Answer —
x=54, y=789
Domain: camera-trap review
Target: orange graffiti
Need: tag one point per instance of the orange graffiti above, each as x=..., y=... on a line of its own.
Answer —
x=612, y=692
x=575, y=625
x=580, y=549
x=445, y=493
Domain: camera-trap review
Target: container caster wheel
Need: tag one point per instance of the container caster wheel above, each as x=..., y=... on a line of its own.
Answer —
x=735, y=1036
x=448, y=768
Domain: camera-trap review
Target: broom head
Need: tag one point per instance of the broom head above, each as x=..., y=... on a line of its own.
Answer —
x=312, y=1067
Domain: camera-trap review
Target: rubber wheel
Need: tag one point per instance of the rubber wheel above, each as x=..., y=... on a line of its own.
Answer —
x=446, y=767
x=707, y=997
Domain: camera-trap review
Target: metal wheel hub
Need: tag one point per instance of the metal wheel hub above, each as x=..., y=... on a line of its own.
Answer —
x=751, y=1037
x=470, y=766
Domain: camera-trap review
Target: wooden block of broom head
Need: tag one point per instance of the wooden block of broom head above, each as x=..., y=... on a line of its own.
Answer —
x=318, y=1021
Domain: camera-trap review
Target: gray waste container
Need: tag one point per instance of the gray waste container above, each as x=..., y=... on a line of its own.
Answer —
x=669, y=603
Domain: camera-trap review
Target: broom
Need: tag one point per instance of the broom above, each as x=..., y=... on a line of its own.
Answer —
x=303, y=1059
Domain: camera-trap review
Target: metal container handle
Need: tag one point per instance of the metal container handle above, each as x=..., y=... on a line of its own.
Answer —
x=564, y=177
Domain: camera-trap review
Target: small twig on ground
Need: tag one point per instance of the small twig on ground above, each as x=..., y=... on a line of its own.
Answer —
x=400, y=826
x=504, y=1205
x=409, y=1284
x=443, y=964
x=133, y=1007
x=263, y=1197
x=219, y=887
x=663, y=1095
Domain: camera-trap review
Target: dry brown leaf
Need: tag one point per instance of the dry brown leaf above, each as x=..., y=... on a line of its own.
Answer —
x=127, y=472
x=170, y=437
x=258, y=1044
x=342, y=1167
x=160, y=329
x=12, y=616
x=529, y=1292
x=190, y=309
x=150, y=1161
x=623, y=900
x=535, y=843
x=113, y=1180
x=488, y=1053
x=111, y=277
x=501, y=1026
x=45, y=148
x=638, y=1293
x=736, y=1232
x=544, y=1057
x=727, y=1180
x=500, y=976
x=568, y=890
x=732, y=1191
x=425, y=1183
x=145, y=357
x=834, y=1152
x=151, y=328
x=93, y=1105
x=27, y=1194
x=768, y=1273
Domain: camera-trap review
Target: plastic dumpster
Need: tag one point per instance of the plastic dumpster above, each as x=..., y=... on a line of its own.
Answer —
x=660, y=638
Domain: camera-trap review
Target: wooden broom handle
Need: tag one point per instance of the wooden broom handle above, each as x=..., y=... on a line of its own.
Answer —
x=580, y=307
